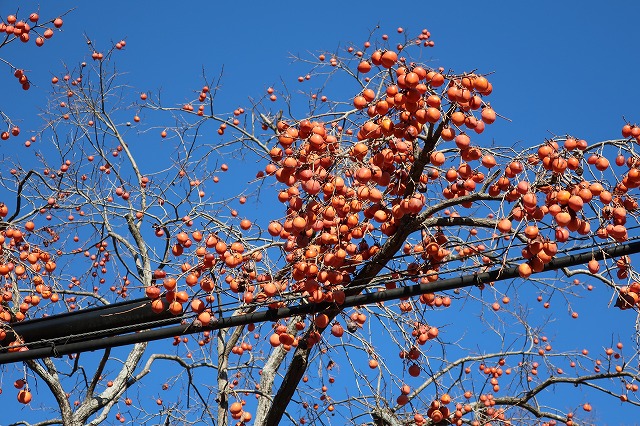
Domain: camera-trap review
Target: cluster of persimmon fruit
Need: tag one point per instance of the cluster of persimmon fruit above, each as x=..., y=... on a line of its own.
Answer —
x=13, y=131
x=341, y=187
x=439, y=411
x=345, y=184
x=211, y=252
x=23, y=261
x=24, y=394
x=564, y=195
x=237, y=412
x=22, y=30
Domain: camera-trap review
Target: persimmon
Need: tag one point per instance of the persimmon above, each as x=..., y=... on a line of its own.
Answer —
x=457, y=118
x=274, y=228
x=359, y=151
x=270, y=289
x=605, y=197
x=402, y=400
x=524, y=270
x=157, y=306
x=435, y=79
x=382, y=107
x=364, y=67
x=530, y=200
x=274, y=340
x=488, y=161
x=24, y=396
x=175, y=308
x=504, y=226
x=411, y=79
x=488, y=115
x=531, y=231
x=388, y=59
x=414, y=370
x=480, y=83
x=359, y=102
x=602, y=164
x=235, y=408
x=436, y=416
x=575, y=203
x=369, y=94
x=563, y=218
x=152, y=292
x=205, y=318
x=181, y=297
x=437, y=158
x=321, y=321
x=337, y=330
x=169, y=283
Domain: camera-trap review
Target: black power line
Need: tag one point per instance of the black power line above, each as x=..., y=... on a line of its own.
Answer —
x=120, y=313
x=100, y=321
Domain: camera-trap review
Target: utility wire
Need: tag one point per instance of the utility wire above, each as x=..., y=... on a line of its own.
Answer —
x=90, y=343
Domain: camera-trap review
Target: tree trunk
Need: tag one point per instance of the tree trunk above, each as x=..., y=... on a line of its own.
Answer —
x=296, y=370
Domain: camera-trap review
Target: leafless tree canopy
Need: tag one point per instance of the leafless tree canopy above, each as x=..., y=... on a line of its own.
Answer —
x=124, y=194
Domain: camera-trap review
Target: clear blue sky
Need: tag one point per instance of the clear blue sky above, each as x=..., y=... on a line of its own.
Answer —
x=559, y=66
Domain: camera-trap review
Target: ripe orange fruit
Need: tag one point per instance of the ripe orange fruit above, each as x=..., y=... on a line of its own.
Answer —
x=235, y=408
x=524, y=270
x=388, y=58
x=504, y=226
x=364, y=67
x=24, y=396
x=488, y=115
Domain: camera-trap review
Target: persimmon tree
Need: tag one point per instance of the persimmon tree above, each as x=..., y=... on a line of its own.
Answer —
x=391, y=184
